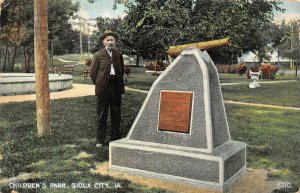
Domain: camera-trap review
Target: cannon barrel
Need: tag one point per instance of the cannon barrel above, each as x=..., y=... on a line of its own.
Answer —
x=174, y=51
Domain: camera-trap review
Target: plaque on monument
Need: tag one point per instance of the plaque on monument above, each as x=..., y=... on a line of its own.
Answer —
x=175, y=111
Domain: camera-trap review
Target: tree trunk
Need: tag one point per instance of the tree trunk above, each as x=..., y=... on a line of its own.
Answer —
x=8, y=58
x=137, y=59
x=0, y=55
x=27, y=58
x=5, y=57
x=14, y=58
x=296, y=69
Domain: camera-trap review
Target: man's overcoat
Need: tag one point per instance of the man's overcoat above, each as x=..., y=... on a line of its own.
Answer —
x=100, y=70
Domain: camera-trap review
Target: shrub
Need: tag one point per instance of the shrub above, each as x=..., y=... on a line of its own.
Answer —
x=127, y=69
x=88, y=61
x=160, y=65
x=268, y=71
x=241, y=69
x=227, y=69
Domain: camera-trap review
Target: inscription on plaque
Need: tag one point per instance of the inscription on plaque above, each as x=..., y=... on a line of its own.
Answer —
x=175, y=111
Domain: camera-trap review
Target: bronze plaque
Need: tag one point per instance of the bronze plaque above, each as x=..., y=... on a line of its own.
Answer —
x=175, y=111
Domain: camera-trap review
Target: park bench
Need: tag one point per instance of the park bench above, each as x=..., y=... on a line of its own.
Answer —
x=86, y=73
x=63, y=69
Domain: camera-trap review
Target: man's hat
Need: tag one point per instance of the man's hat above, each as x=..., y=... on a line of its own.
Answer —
x=109, y=33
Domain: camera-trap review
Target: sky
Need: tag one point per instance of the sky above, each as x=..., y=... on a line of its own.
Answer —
x=292, y=11
x=103, y=8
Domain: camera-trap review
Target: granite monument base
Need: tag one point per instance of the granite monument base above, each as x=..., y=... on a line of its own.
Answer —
x=216, y=170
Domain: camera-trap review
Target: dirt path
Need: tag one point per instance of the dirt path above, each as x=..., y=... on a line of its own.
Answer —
x=78, y=90
x=266, y=82
x=263, y=105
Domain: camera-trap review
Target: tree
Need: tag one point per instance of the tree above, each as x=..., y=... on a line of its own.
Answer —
x=21, y=11
x=170, y=22
x=104, y=23
x=14, y=31
x=151, y=26
x=290, y=43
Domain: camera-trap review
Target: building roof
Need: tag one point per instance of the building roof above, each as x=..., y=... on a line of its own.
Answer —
x=251, y=57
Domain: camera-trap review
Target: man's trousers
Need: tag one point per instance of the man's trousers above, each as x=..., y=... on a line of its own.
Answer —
x=109, y=100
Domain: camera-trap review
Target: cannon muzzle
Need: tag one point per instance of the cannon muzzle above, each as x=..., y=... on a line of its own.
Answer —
x=174, y=51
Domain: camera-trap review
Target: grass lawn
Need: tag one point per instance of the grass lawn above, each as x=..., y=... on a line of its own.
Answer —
x=229, y=78
x=138, y=79
x=286, y=94
x=68, y=155
x=272, y=137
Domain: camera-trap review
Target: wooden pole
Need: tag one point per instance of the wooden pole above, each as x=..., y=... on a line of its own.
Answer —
x=41, y=67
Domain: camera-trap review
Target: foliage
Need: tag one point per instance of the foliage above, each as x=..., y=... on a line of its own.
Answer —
x=104, y=23
x=270, y=39
x=127, y=69
x=170, y=22
x=241, y=68
x=88, y=62
x=290, y=43
x=60, y=30
x=17, y=20
x=227, y=69
x=158, y=65
x=268, y=71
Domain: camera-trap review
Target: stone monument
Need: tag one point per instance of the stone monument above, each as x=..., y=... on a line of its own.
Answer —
x=181, y=133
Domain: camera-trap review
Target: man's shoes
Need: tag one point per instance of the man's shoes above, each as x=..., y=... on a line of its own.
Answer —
x=99, y=145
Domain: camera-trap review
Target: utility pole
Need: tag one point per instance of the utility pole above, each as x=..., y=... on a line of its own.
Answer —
x=41, y=67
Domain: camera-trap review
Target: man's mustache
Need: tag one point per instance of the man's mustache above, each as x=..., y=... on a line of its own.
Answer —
x=110, y=47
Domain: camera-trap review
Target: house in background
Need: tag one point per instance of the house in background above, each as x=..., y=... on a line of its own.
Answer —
x=251, y=59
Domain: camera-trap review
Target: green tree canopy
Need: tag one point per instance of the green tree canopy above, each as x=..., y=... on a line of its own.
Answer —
x=290, y=43
x=17, y=21
x=159, y=24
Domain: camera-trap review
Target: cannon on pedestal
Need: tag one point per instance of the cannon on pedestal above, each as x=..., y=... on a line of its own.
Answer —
x=174, y=51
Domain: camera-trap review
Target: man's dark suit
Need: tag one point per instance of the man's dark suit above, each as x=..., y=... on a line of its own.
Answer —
x=108, y=89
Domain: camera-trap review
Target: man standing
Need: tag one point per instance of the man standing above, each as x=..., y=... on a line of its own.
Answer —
x=107, y=70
